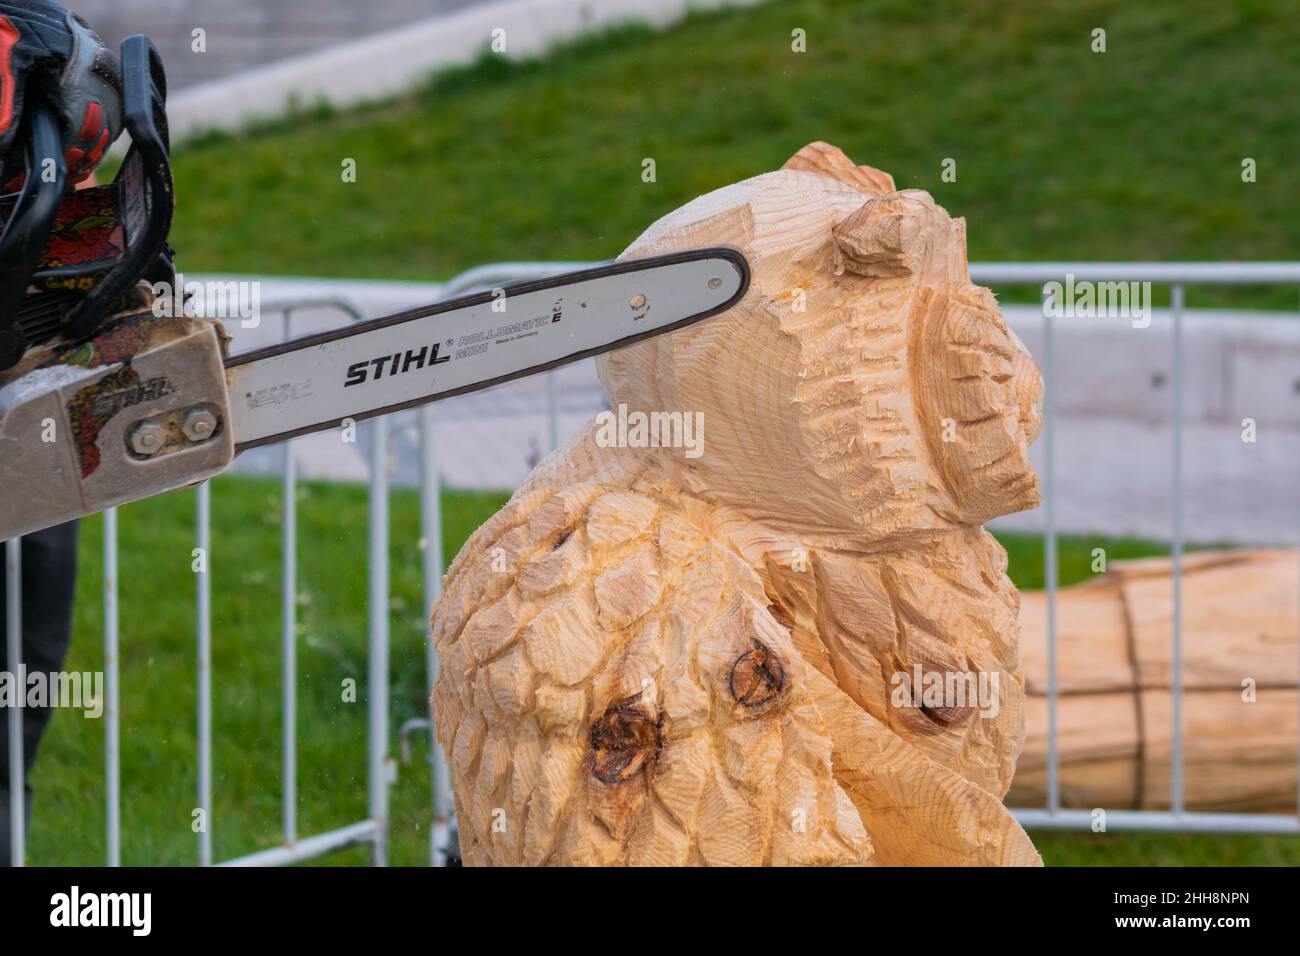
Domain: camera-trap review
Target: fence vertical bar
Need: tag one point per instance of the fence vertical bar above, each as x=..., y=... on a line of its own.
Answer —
x=431, y=535
x=112, y=674
x=377, y=700
x=204, y=669
x=1050, y=572
x=289, y=649
x=289, y=640
x=1176, y=493
x=552, y=412
x=14, y=657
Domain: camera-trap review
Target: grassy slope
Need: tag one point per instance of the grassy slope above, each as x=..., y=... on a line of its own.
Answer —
x=158, y=692
x=1061, y=153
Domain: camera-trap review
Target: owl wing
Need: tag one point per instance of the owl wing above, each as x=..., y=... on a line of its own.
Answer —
x=614, y=690
x=918, y=812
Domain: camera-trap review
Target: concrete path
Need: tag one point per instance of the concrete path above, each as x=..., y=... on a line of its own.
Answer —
x=258, y=59
x=1113, y=439
x=243, y=34
x=1114, y=476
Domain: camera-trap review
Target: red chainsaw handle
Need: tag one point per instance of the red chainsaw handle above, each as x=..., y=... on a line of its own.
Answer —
x=28, y=228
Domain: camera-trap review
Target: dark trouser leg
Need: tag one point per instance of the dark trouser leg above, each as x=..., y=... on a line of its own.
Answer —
x=49, y=577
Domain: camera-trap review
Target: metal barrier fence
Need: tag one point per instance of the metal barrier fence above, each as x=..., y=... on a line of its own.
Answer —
x=1177, y=276
x=373, y=831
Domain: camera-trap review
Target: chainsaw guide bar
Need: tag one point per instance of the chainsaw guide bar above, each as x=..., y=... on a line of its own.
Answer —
x=463, y=345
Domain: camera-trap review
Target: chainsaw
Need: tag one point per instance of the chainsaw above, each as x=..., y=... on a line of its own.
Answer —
x=107, y=395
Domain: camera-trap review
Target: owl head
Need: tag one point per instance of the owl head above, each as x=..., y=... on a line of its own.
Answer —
x=863, y=390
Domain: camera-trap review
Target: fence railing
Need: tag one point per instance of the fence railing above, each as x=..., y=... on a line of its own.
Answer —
x=1177, y=276
x=373, y=831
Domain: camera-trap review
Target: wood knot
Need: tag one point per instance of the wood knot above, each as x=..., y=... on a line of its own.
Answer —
x=624, y=740
x=947, y=716
x=757, y=677
x=936, y=697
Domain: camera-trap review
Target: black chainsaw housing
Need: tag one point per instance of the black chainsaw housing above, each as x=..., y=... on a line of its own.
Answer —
x=69, y=260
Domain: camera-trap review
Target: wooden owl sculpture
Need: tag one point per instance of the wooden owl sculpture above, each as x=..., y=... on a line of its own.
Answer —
x=766, y=627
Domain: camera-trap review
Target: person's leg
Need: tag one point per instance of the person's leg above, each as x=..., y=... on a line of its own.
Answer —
x=6, y=858
x=49, y=578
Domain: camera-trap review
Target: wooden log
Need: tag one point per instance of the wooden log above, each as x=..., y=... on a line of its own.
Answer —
x=1239, y=631
x=730, y=656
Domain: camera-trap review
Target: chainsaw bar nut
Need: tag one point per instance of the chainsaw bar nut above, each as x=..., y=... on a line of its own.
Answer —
x=148, y=438
x=199, y=425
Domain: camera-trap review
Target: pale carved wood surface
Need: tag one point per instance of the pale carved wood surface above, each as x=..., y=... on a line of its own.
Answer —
x=1115, y=723
x=649, y=658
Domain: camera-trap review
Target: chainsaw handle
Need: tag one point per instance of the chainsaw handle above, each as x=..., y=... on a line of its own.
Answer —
x=148, y=198
x=28, y=229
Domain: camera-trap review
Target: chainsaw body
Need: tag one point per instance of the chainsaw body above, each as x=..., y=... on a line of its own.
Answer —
x=102, y=400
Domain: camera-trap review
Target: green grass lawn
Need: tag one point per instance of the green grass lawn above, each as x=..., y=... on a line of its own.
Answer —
x=1061, y=153
x=158, y=679
x=158, y=683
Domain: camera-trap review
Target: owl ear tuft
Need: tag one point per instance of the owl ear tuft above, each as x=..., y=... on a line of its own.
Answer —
x=886, y=236
x=830, y=161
